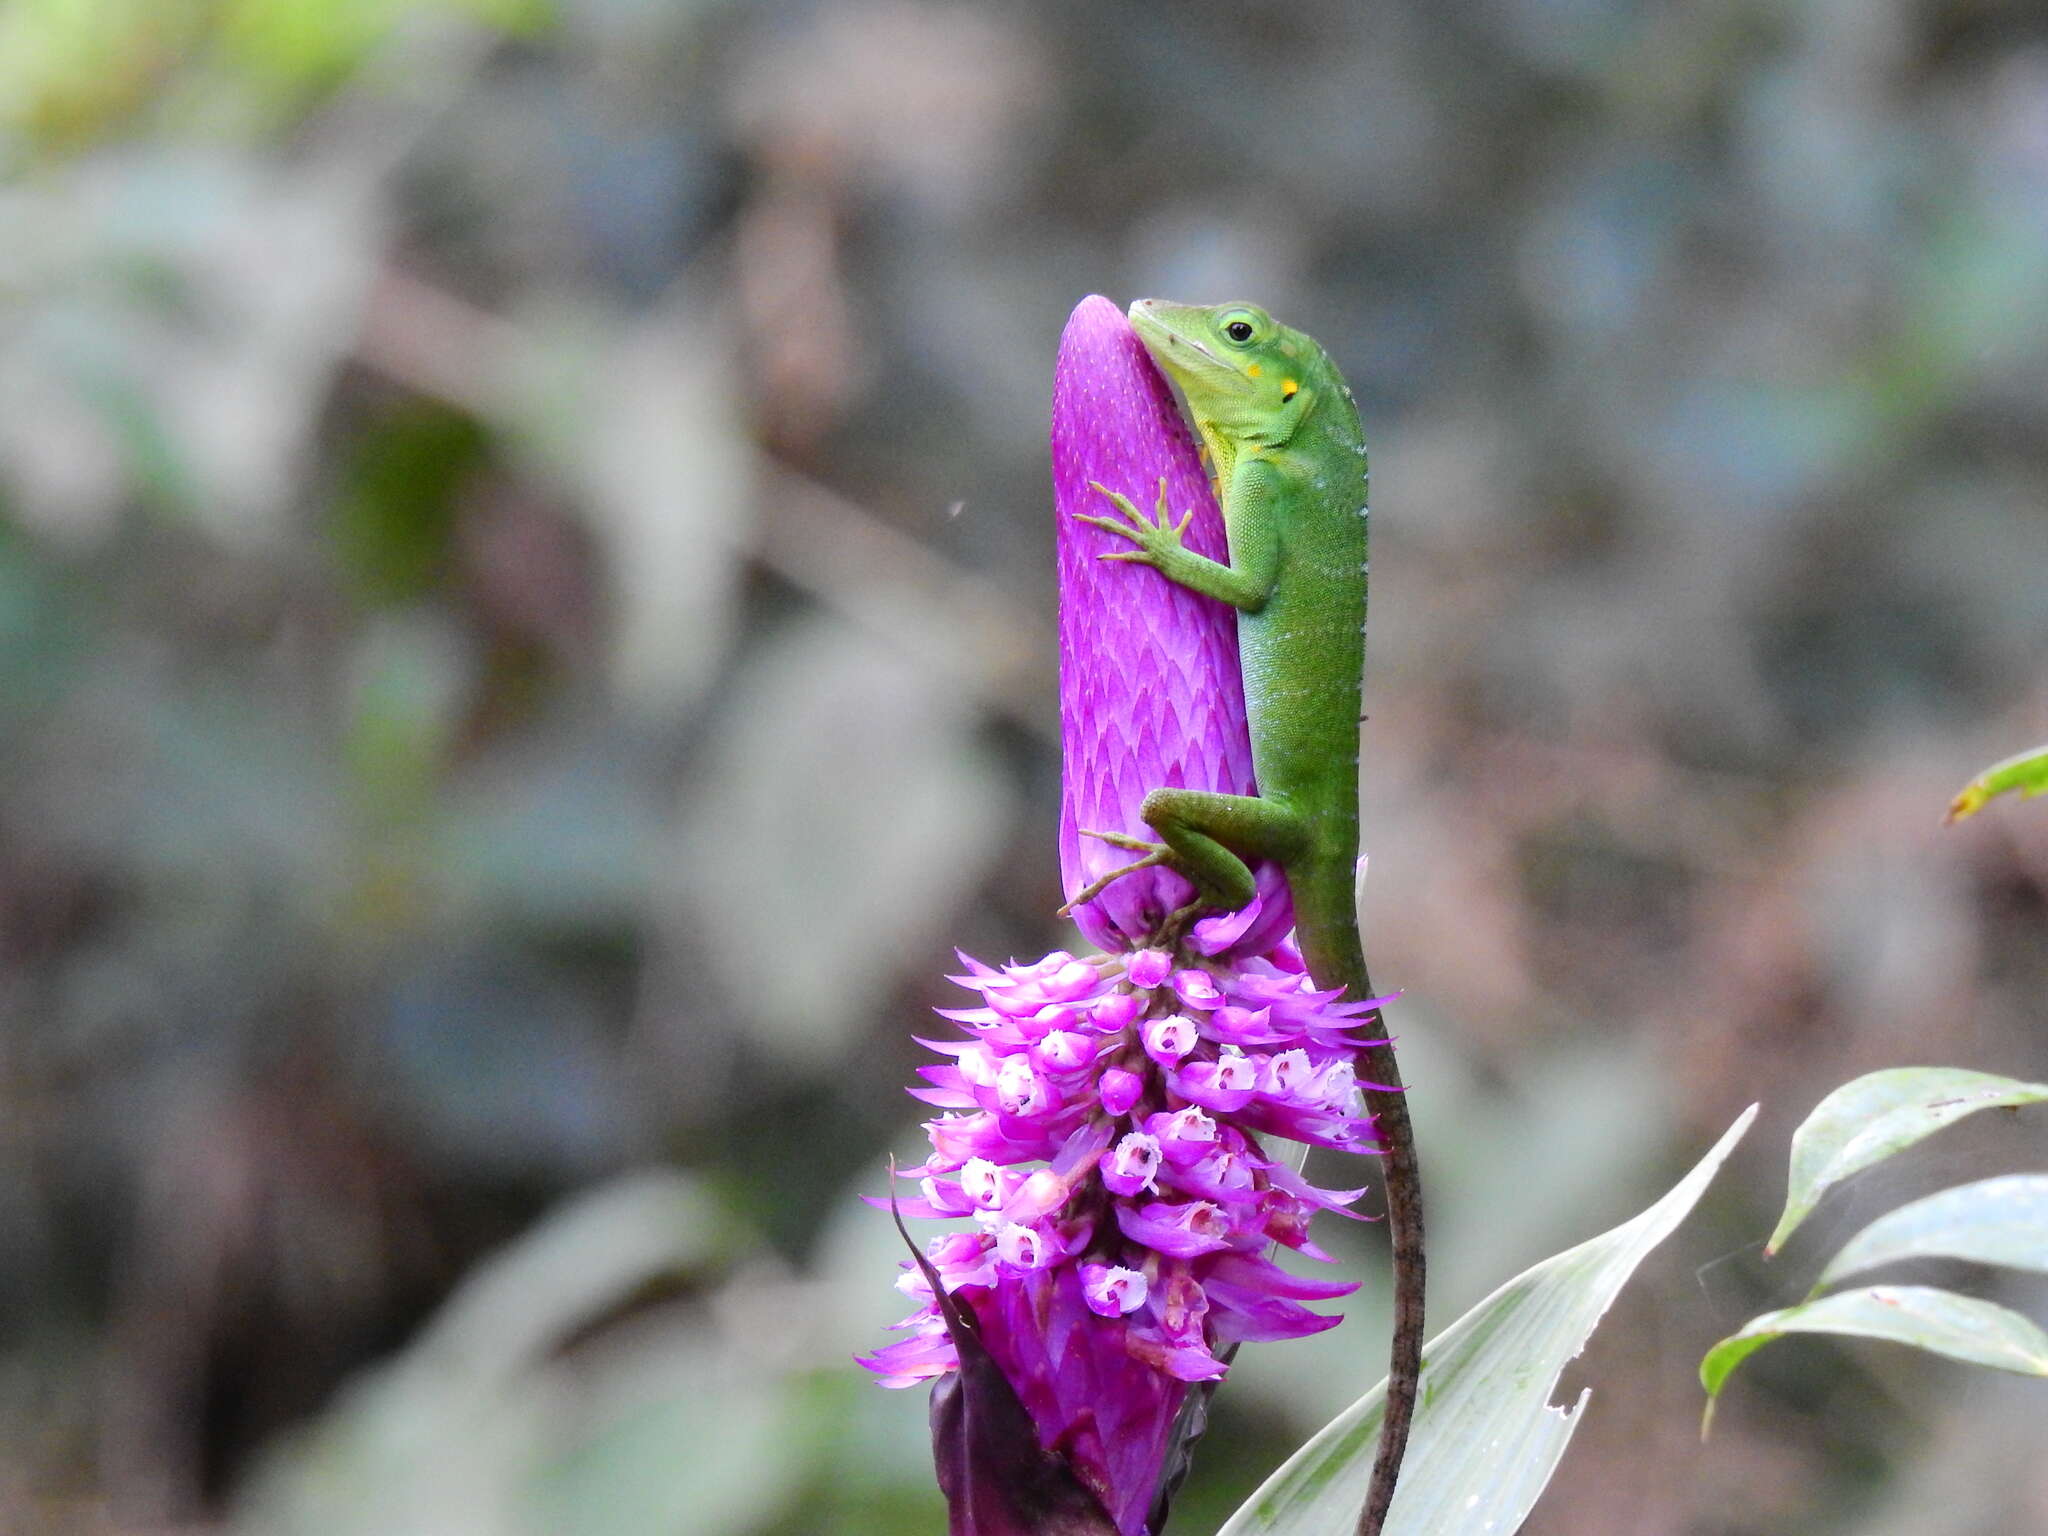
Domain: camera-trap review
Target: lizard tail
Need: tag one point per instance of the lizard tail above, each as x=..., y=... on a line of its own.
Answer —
x=1404, y=1228
x=1327, y=916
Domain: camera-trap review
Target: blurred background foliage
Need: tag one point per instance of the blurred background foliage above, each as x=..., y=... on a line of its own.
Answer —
x=525, y=623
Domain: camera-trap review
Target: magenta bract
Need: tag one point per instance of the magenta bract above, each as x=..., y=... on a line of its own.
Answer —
x=1150, y=693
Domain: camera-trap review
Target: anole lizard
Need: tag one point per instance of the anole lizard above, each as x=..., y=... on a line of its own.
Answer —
x=1289, y=458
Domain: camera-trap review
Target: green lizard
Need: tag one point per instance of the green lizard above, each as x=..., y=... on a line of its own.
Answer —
x=1289, y=458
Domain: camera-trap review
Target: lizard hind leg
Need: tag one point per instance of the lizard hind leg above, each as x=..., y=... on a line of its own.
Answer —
x=1211, y=839
x=1215, y=838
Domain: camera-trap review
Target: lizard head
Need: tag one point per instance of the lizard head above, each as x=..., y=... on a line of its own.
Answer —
x=1247, y=378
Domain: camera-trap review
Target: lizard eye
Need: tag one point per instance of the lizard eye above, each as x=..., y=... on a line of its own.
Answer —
x=1238, y=330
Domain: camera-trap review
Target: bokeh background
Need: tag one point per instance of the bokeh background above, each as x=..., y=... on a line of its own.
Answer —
x=525, y=613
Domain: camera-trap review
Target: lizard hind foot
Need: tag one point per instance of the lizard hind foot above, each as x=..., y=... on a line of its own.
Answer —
x=1125, y=840
x=1154, y=854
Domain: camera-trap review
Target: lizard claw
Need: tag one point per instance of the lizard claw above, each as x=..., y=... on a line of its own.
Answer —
x=1125, y=840
x=1106, y=524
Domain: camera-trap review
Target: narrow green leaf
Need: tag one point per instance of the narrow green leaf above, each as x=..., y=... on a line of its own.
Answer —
x=1994, y=1221
x=1866, y=1121
x=1961, y=1327
x=2027, y=774
x=1486, y=1436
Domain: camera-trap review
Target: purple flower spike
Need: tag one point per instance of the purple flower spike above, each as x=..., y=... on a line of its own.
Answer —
x=1150, y=694
x=1123, y=1208
x=1101, y=1137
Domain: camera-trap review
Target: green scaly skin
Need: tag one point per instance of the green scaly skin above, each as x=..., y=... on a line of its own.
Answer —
x=1290, y=464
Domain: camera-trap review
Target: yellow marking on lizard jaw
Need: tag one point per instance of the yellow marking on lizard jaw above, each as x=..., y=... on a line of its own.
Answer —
x=1288, y=389
x=1252, y=370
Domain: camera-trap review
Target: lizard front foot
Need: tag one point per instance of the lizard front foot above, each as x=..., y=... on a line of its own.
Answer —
x=1158, y=538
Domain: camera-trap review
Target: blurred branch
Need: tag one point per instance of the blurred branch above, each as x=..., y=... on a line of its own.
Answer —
x=820, y=542
x=905, y=591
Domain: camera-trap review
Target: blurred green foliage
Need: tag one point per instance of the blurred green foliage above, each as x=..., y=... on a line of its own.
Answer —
x=396, y=513
x=73, y=70
x=525, y=614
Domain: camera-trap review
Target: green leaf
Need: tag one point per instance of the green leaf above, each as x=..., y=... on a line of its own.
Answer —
x=1866, y=1121
x=1486, y=1436
x=1994, y=1221
x=2027, y=774
x=393, y=520
x=1961, y=1327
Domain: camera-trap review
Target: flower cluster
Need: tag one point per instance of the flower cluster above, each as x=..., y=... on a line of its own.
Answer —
x=1100, y=1136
